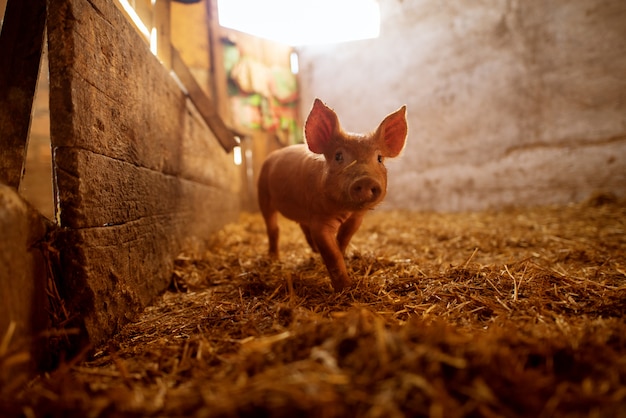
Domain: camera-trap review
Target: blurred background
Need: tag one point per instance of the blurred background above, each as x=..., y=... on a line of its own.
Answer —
x=510, y=103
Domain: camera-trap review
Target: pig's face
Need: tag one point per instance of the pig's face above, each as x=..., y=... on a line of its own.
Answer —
x=355, y=177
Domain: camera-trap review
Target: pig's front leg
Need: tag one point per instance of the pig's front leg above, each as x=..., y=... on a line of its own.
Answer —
x=347, y=230
x=324, y=237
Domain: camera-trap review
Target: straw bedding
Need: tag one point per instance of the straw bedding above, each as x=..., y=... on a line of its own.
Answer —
x=511, y=313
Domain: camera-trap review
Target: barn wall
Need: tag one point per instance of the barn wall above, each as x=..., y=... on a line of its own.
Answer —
x=509, y=102
x=139, y=175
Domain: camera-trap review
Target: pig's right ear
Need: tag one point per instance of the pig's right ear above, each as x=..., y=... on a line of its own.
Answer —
x=320, y=127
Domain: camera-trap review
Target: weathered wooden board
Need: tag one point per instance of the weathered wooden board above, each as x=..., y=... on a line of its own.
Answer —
x=23, y=277
x=139, y=175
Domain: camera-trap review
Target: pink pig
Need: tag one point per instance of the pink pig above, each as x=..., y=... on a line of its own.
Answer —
x=329, y=184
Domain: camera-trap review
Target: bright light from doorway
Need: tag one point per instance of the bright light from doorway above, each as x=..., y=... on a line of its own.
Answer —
x=302, y=22
x=237, y=155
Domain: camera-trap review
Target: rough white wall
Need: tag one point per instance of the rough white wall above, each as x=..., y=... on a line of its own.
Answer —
x=518, y=102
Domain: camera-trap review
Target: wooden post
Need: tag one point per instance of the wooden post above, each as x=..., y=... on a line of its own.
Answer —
x=21, y=42
x=218, y=73
x=162, y=23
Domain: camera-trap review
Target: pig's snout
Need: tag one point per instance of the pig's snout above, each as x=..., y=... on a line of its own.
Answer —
x=365, y=190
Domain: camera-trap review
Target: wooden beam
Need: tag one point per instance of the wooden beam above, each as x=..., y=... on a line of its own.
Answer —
x=21, y=43
x=205, y=106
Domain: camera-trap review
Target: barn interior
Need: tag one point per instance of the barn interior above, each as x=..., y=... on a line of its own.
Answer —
x=134, y=275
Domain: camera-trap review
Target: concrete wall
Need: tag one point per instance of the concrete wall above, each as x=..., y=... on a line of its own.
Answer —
x=510, y=102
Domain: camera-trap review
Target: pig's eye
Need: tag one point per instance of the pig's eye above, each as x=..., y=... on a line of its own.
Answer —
x=339, y=157
x=380, y=158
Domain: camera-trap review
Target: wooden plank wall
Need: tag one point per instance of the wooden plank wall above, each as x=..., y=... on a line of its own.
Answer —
x=140, y=177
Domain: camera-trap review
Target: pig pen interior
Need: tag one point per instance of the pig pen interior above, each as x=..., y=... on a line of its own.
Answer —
x=507, y=313
x=513, y=306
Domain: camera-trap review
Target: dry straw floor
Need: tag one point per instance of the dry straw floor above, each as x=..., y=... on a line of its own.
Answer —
x=512, y=313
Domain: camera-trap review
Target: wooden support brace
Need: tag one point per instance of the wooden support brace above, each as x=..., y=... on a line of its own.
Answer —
x=21, y=43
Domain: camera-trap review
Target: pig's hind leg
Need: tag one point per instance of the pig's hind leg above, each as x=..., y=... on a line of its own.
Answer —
x=271, y=225
x=270, y=215
x=309, y=240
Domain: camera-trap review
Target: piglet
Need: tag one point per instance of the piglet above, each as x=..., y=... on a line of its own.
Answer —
x=329, y=184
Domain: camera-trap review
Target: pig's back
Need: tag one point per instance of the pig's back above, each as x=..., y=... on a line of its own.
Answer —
x=290, y=179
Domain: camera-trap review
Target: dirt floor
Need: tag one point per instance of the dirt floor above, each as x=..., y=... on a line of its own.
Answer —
x=514, y=313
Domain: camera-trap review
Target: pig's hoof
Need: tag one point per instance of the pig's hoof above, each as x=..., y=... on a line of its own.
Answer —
x=338, y=286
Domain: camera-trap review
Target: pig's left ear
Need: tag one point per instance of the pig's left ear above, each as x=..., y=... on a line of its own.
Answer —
x=320, y=127
x=392, y=133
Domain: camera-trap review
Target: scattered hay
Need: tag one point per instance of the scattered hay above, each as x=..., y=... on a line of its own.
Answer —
x=512, y=313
